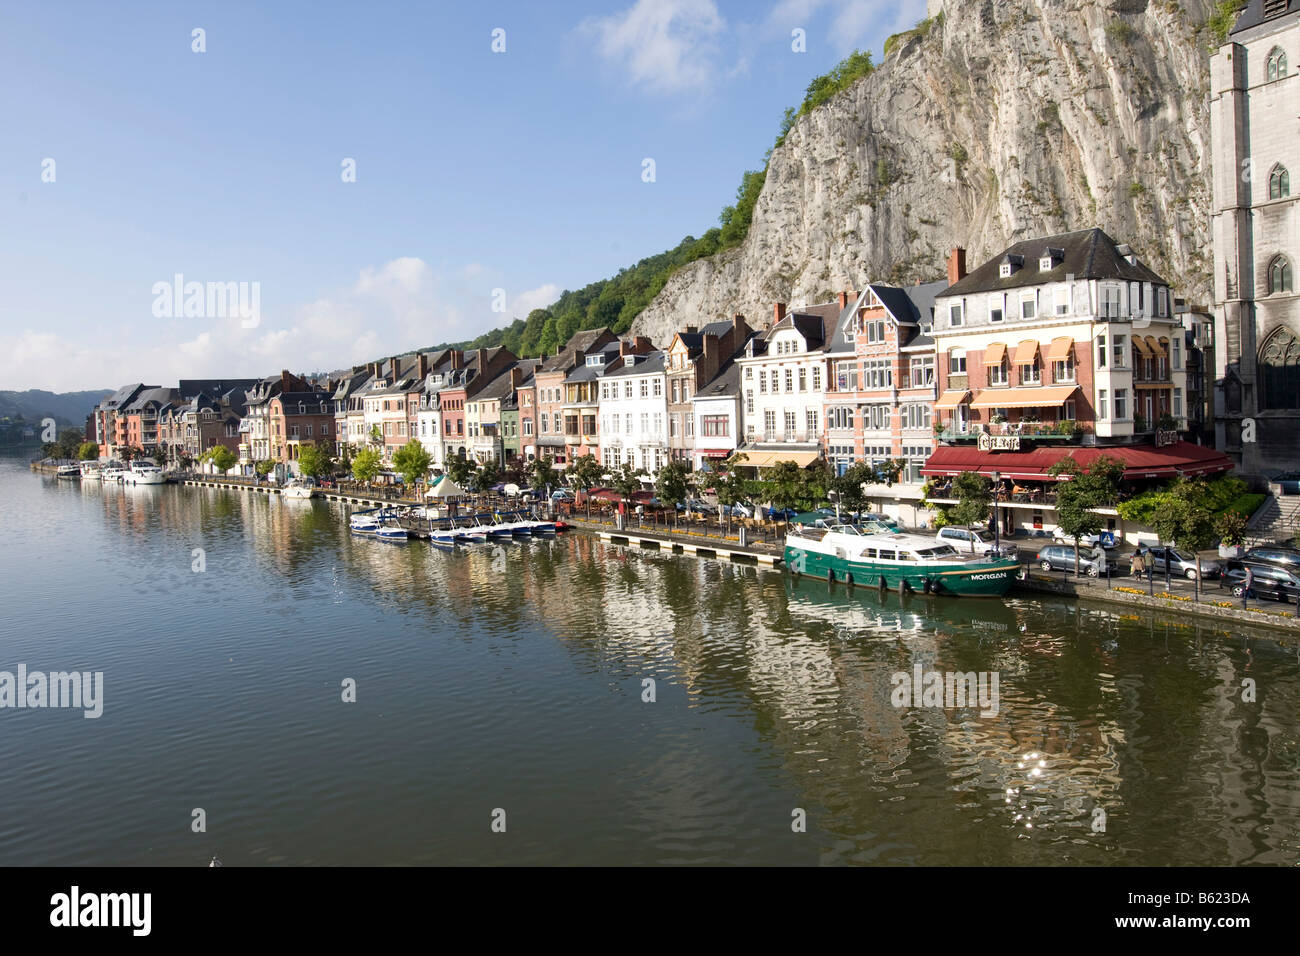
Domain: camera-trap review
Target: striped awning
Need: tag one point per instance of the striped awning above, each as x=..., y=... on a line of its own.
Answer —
x=1026, y=352
x=952, y=398
x=995, y=353
x=766, y=459
x=1154, y=345
x=1050, y=397
x=1060, y=349
x=1141, y=346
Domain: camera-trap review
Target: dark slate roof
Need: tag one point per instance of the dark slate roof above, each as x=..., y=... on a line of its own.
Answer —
x=645, y=365
x=499, y=387
x=124, y=395
x=1087, y=254
x=215, y=386
x=584, y=341
x=716, y=328
x=725, y=383
x=152, y=396
x=585, y=373
x=1253, y=15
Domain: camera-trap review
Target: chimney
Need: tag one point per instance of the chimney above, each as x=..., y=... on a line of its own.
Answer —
x=691, y=329
x=956, y=265
x=392, y=368
x=482, y=361
x=373, y=368
x=643, y=345
x=844, y=301
x=422, y=365
x=778, y=312
x=516, y=376
x=284, y=380
x=457, y=359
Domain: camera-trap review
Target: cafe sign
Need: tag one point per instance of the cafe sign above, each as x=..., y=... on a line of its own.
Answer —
x=1166, y=436
x=999, y=442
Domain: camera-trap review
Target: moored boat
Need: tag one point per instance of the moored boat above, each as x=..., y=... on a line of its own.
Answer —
x=68, y=471
x=299, y=488
x=143, y=473
x=390, y=530
x=896, y=561
x=364, y=522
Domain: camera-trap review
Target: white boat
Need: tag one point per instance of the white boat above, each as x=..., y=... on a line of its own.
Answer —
x=90, y=471
x=299, y=488
x=68, y=471
x=143, y=472
x=390, y=530
x=113, y=471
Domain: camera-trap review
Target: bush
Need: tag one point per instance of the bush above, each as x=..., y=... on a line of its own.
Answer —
x=1222, y=20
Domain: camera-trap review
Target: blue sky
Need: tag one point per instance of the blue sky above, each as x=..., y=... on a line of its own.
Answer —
x=475, y=170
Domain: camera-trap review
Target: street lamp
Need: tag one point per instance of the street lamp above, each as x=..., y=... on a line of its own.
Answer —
x=997, y=522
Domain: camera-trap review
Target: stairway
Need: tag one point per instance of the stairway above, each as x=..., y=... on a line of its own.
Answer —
x=1277, y=519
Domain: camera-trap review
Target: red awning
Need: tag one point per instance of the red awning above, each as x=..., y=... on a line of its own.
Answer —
x=1140, y=461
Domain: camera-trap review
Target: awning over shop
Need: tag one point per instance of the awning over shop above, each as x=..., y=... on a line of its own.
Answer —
x=1140, y=461
x=995, y=353
x=952, y=398
x=766, y=459
x=1141, y=346
x=1060, y=349
x=1026, y=352
x=1051, y=397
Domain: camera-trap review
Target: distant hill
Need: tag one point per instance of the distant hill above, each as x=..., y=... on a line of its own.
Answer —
x=67, y=408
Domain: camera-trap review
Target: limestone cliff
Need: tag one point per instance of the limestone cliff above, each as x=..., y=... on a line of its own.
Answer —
x=1004, y=120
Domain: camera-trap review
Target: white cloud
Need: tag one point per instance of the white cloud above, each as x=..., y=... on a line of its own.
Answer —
x=387, y=309
x=852, y=23
x=519, y=306
x=665, y=45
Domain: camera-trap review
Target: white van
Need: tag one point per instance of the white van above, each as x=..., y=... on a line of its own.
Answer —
x=961, y=538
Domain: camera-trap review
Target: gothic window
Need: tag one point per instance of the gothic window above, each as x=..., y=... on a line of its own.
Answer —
x=1279, y=276
x=1276, y=64
x=1279, y=369
x=1279, y=183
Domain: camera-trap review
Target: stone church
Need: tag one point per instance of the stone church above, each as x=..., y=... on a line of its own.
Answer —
x=1255, y=127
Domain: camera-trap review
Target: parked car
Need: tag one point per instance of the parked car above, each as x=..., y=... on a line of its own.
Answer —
x=1287, y=483
x=738, y=510
x=562, y=494
x=1085, y=540
x=1278, y=554
x=1267, y=580
x=1181, y=563
x=963, y=538
x=1093, y=562
x=696, y=505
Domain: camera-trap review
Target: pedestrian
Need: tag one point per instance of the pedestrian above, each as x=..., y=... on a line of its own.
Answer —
x=1138, y=563
x=1247, y=583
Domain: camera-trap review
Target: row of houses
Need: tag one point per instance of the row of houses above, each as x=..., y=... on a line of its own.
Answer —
x=1057, y=342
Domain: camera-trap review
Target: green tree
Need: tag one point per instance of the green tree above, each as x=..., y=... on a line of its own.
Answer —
x=544, y=474
x=315, y=460
x=487, y=475
x=672, y=483
x=586, y=472
x=376, y=436
x=460, y=469
x=1183, y=520
x=974, y=494
x=262, y=468
x=412, y=462
x=1085, y=491
x=365, y=466
x=88, y=451
x=784, y=484
x=731, y=490
x=626, y=480
x=850, y=486
x=220, y=457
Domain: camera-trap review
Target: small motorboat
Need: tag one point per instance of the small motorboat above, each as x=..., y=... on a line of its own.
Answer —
x=390, y=530
x=303, y=487
x=364, y=522
x=113, y=471
x=143, y=472
x=68, y=471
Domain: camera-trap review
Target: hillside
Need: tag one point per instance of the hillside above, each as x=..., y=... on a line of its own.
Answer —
x=990, y=122
x=67, y=408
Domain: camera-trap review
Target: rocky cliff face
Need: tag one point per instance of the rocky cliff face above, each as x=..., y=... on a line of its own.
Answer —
x=1005, y=120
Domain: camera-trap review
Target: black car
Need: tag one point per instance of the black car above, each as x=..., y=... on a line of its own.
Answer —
x=1280, y=555
x=1267, y=580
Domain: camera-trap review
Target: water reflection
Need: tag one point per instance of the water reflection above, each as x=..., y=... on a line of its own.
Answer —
x=520, y=668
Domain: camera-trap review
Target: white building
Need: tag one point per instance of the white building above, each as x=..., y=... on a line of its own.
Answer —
x=718, y=421
x=783, y=378
x=634, y=413
x=1255, y=131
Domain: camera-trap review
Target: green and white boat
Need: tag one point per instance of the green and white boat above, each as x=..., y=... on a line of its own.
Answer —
x=843, y=552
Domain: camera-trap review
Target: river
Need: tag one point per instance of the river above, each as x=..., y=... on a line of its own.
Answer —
x=506, y=688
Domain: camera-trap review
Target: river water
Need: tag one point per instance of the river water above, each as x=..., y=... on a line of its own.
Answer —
x=505, y=687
